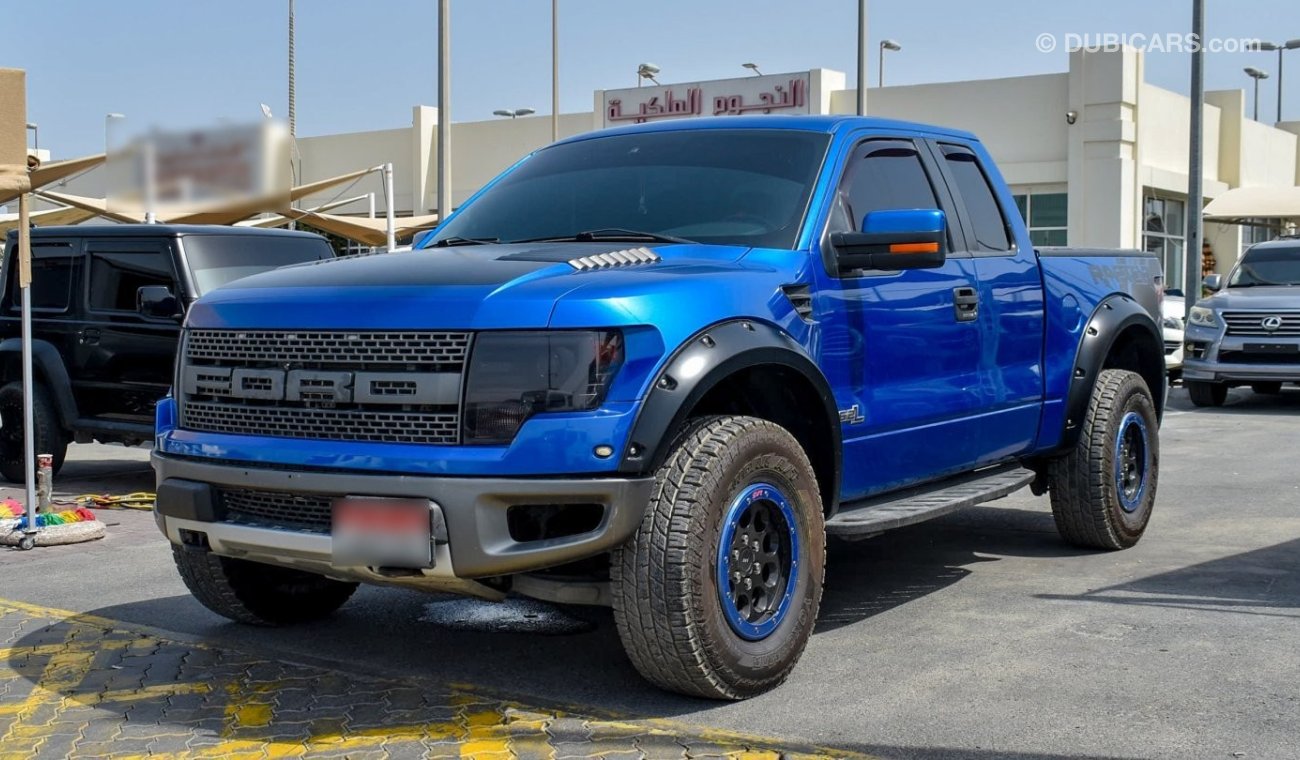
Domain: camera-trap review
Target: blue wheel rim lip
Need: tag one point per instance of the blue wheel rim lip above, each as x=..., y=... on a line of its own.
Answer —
x=752, y=493
x=1132, y=419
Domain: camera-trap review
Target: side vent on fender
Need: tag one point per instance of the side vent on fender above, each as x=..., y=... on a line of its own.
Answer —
x=800, y=297
x=624, y=258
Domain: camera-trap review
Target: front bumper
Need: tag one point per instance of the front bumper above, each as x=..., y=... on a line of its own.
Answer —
x=1213, y=356
x=477, y=542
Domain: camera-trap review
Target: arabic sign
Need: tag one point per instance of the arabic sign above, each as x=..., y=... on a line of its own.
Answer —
x=773, y=93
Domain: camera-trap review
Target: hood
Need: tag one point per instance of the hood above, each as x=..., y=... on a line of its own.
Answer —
x=462, y=287
x=1258, y=298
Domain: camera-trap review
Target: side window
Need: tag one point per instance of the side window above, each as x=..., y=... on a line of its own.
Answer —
x=881, y=175
x=991, y=231
x=52, y=277
x=116, y=276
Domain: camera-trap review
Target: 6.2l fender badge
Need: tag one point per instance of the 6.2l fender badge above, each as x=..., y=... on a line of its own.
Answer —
x=852, y=416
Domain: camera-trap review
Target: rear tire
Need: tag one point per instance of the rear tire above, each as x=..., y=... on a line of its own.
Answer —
x=50, y=436
x=258, y=594
x=1103, y=491
x=716, y=594
x=1266, y=389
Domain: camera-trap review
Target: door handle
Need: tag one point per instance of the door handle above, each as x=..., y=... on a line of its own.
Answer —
x=965, y=304
x=89, y=336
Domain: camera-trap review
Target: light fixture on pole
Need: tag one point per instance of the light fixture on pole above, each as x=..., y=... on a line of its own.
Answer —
x=646, y=71
x=880, y=68
x=266, y=110
x=513, y=113
x=752, y=67
x=1280, y=47
x=1256, y=74
x=35, y=129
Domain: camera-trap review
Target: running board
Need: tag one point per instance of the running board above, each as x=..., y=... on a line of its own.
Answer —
x=894, y=510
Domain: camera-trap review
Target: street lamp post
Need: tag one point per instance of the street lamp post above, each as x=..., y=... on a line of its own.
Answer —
x=752, y=67
x=880, y=68
x=646, y=71
x=513, y=113
x=862, y=57
x=555, y=70
x=1257, y=75
x=1280, y=47
x=36, y=135
x=444, y=110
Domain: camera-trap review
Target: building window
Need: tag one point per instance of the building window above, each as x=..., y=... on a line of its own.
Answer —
x=1163, y=235
x=1258, y=231
x=1046, y=217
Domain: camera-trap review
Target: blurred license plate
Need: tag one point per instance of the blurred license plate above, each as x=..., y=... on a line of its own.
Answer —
x=1272, y=348
x=378, y=532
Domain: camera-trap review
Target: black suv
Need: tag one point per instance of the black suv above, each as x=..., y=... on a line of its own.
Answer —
x=107, y=305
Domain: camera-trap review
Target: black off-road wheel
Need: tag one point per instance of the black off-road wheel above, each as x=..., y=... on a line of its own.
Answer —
x=258, y=594
x=716, y=594
x=1205, y=393
x=1266, y=389
x=1103, y=491
x=50, y=436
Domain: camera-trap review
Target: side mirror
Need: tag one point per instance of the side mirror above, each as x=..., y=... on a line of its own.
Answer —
x=1214, y=282
x=894, y=239
x=417, y=242
x=157, y=301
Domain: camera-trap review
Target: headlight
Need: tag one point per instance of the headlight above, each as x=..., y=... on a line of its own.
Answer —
x=1199, y=315
x=514, y=375
x=1173, y=323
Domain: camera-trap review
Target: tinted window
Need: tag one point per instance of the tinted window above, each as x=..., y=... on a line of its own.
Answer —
x=52, y=276
x=116, y=276
x=740, y=187
x=884, y=178
x=215, y=260
x=1275, y=265
x=977, y=196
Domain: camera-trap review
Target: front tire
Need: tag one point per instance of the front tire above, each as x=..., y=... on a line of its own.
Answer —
x=1104, y=490
x=258, y=594
x=716, y=594
x=50, y=437
x=1207, y=394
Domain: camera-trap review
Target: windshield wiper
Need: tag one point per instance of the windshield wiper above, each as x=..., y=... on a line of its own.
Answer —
x=450, y=241
x=611, y=234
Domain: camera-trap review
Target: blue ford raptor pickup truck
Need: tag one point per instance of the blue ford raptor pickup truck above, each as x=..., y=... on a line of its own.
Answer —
x=653, y=368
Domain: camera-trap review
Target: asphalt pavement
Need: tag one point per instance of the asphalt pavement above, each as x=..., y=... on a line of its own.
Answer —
x=979, y=635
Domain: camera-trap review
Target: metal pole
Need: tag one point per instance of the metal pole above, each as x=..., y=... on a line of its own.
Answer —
x=1280, y=50
x=880, y=67
x=1192, y=257
x=1256, y=116
x=150, y=181
x=444, y=109
x=555, y=70
x=862, y=57
x=372, y=206
x=292, y=104
x=388, y=191
x=29, y=424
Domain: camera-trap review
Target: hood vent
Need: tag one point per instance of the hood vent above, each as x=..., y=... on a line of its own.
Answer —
x=624, y=258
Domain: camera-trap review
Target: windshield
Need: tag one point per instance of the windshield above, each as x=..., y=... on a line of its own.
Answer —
x=1268, y=266
x=215, y=260
x=735, y=187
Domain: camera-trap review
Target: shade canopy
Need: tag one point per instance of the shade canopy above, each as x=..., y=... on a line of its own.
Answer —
x=1255, y=203
x=364, y=229
x=49, y=217
x=51, y=172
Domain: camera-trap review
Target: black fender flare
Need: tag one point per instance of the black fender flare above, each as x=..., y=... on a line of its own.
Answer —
x=47, y=367
x=1109, y=320
x=697, y=366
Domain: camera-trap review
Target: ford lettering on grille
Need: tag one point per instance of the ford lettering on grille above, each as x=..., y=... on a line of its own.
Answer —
x=372, y=387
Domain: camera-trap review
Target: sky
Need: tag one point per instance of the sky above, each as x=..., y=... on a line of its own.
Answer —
x=362, y=64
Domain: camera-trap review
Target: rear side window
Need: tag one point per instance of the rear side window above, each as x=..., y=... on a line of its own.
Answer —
x=116, y=276
x=884, y=176
x=991, y=232
x=52, y=277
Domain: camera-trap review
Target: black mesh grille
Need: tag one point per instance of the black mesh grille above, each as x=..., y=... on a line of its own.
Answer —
x=327, y=348
x=322, y=424
x=277, y=510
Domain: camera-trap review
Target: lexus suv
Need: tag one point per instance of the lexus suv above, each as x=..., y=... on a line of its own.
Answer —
x=1247, y=332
